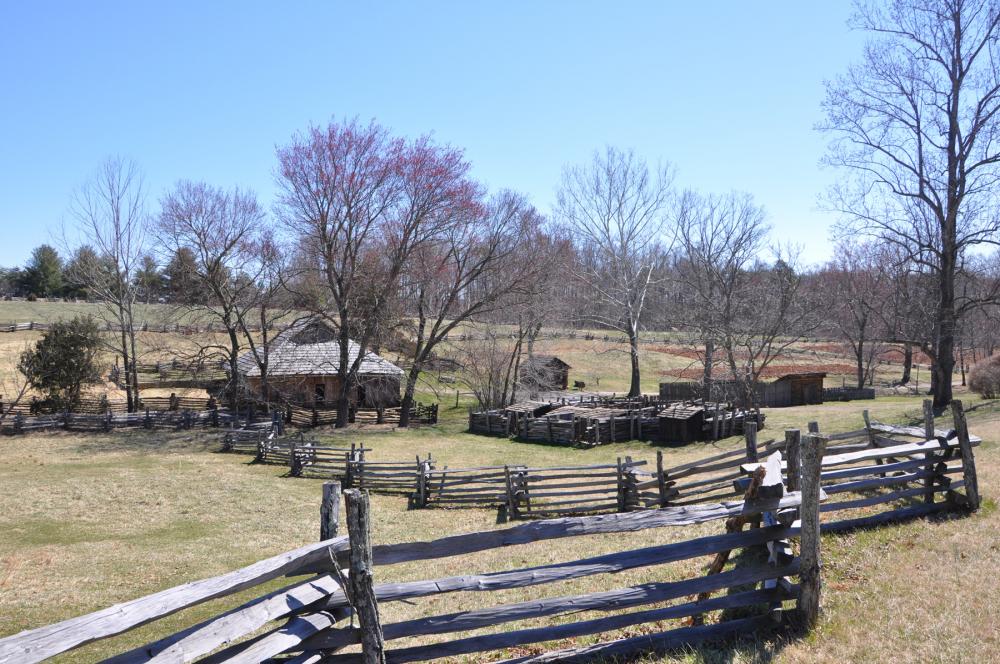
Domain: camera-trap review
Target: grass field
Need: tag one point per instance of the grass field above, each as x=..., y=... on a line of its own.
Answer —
x=93, y=520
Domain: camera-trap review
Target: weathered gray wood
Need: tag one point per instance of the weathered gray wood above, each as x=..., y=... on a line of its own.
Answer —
x=809, y=538
x=361, y=578
x=676, y=470
x=490, y=642
x=287, y=637
x=905, y=450
x=883, y=498
x=455, y=545
x=229, y=627
x=793, y=443
x=608, y=563
x=601, y=601
x=210, y=634
x=928, y=434
x=915, y=432
x=38, y=644
x=893, y=516
x=329, y=510
x=750, y=434
x=648, y=643
x=968, y=460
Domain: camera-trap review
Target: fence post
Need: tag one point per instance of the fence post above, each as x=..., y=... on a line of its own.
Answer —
x=18, y=423
x=793, y=453
x=814, y=427
x=361, y=577
x=66, y=419
x=329, y=511
x=661, y=478
x=294, y=467
x=511, y=498
x=750, y=432
x=929, y=434
x=422, y=482
x=621, y=485
x=968, y=460
x=809, y=542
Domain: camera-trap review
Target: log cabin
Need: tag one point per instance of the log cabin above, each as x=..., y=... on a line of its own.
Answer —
x=303, y=361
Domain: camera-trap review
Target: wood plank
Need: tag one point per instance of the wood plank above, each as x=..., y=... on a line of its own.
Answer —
x=649, y=643
x=38, y=644
x=600, y=601
x=455, y=545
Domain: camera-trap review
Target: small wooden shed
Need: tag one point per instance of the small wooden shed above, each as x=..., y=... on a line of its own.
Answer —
x=794, y=389
x=681, y=423
x=545, y=372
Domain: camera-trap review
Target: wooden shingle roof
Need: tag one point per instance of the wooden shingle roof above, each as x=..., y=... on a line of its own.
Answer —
x=309, y=348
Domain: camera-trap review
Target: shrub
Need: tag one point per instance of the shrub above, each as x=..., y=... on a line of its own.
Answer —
x=63, y=360
x=984, y=378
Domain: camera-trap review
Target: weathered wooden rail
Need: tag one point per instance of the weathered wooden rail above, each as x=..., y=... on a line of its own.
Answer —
x=308, y=619
x=109, y=421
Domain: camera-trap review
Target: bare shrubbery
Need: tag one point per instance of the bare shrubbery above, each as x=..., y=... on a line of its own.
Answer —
x=984, y=378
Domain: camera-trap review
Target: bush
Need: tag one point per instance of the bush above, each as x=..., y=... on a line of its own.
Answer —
x=984, y=378
x=63, y=360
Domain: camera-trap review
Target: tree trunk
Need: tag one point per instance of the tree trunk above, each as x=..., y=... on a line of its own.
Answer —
x=706, y=379
x=859, y=355
x=944, y=366
x=634, y=389
x=343, y=406
x=129, y=402
x=411, y=386
x=907, y=364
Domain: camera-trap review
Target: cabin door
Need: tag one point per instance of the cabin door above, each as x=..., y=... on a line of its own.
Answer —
x=319, y=394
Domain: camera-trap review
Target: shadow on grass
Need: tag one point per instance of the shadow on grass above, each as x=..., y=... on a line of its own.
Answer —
x=150, y=441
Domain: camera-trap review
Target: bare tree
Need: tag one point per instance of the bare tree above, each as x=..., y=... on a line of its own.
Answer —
x=111, y=215
x=915, y=127
x=360, y=203
x=749, y=311
x=615, y=208
x=721, y=237
x=485, y=262
x=856, y=286
x=224, y=231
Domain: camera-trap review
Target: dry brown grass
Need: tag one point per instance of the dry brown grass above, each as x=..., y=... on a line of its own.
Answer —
x=92, y=520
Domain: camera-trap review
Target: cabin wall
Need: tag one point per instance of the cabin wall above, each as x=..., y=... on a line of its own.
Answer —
x=371, y=392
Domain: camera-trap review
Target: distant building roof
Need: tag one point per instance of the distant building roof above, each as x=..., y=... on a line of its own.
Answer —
x=547, y=360
x=309, y=348
x=805, y=374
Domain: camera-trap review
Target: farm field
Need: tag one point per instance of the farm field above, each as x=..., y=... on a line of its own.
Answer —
x=94, y=520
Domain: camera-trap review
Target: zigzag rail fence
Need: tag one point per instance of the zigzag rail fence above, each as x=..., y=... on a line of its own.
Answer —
x=307, y=621
x=310, y=620
x=879, y=465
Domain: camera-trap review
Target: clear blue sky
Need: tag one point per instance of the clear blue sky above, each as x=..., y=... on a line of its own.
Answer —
x=728, y=92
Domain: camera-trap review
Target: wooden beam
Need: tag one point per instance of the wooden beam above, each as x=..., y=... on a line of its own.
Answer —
x=809, y=538
x=361, y=578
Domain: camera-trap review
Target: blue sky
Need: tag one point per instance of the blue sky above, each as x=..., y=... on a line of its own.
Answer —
x=727, y=92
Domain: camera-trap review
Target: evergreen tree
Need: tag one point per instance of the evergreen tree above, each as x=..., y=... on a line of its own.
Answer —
x=42, y=276
x=63, y=360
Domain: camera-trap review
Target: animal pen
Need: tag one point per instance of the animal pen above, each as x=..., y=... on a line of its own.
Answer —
x=595, y=422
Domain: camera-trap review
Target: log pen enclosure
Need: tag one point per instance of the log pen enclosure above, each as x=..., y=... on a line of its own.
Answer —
x=588, y=423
